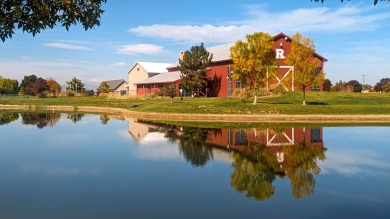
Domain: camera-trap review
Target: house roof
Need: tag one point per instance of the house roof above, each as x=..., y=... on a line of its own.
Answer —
x=153, y=67
x=165, y=77
x=113, y=84
x=222, y=52
x=289, y=38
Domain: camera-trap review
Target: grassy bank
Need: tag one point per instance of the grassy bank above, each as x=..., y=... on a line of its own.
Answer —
x=324, y=103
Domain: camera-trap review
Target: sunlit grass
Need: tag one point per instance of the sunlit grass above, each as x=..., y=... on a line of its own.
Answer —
x=328, y=103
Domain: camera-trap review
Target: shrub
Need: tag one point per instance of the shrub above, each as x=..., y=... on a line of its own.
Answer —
x=70, y=93
x=240, y=93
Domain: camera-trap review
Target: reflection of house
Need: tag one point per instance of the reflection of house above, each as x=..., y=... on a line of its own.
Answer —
x=144, y=70
x=117, y=87
x=139, y=130
x=274, y=139
x=238, y=138
x=221, y=84
x=234, y=139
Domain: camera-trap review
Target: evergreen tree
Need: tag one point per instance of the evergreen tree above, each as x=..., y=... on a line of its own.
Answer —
x=193, y=68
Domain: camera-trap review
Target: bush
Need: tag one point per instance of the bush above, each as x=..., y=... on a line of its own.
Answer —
x=240, y=94
x=103, y=95
x=279, y=90
x=70, y=93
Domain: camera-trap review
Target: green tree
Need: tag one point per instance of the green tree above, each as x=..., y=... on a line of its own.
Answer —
x=253, y=59
x=327, y=85
x=54, y=86
x=193, y=68
x=306, y=65
x=33, y=16
x=169, y=90
x=8, y=86
x=375, y=1
x=104, y=88
x=25, y=81
x=75, y=85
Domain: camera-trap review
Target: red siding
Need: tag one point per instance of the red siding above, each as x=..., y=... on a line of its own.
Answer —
x=218, y=73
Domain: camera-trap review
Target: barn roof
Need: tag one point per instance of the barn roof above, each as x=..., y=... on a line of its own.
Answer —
x=166, y=77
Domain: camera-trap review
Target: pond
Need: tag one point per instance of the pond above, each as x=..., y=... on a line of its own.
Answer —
x=56, y=165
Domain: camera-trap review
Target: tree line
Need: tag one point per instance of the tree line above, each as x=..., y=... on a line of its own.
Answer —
x=31, y=85
x=354, y=86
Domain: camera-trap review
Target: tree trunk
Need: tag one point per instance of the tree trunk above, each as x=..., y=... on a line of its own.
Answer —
x=304, y=95
x=255, y=99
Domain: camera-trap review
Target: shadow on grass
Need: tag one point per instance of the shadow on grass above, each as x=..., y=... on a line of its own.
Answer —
x=317, y=103
x=278, y=103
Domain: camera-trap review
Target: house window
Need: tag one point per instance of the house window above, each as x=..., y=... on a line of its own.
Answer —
x=137, y=69
x=239, y=85
x=241, y=137
x=123, y=92
x=315, y=135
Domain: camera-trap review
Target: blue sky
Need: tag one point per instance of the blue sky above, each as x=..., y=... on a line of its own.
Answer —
x=354, y=36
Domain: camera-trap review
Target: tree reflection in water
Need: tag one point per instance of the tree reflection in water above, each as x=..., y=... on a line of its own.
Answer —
x=302, y=166
x=41, y=120
x=194, y=147
x=75, y=117
x=256, y=167
x=259, y=157
x=8, y=117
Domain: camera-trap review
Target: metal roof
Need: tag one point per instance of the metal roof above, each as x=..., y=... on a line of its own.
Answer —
x=154, y=67
x=166, y=77
x=220, y=52
x=113, y=84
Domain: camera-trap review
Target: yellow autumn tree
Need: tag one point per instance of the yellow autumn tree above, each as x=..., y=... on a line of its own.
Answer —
x=252, y=60
x=306, y=65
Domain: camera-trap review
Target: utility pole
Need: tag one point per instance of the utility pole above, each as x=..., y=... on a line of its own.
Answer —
x=363, y=84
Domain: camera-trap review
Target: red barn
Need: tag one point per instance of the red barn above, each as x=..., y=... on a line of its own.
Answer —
x=221, y=84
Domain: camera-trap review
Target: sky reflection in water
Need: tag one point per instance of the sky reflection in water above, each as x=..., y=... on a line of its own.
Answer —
x=91, y=166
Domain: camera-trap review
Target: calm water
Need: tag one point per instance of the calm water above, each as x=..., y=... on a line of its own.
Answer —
x=91, y=166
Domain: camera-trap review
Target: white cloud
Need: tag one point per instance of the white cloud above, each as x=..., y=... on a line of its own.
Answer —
x=149, y=49
x=24, y=57
x=66, y=46
x=118, y=64
x=321, y=19
x=190, y=33
x=355, y=162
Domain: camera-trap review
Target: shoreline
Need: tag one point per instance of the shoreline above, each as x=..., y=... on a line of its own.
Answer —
x=315, y=118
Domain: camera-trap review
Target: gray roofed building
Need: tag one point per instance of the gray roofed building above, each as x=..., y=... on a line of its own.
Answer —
x=117, y=87
x=166, y=77
x=113, y=84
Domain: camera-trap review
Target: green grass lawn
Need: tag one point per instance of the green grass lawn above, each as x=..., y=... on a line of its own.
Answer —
x=328, y=103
